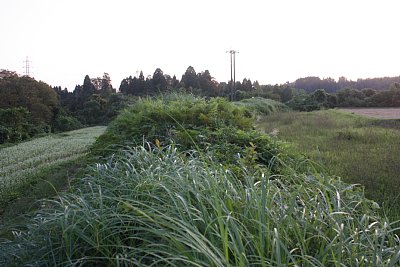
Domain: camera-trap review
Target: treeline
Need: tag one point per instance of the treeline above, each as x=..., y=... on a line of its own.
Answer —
x=201, y=83
x=312, y=83
x=29, y=108
x=93, y=103
x=301, y=100
x=304, y=94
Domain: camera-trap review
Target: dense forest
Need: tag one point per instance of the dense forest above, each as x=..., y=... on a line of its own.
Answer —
x=305, y=94
x=312, y=83
x=29, y=108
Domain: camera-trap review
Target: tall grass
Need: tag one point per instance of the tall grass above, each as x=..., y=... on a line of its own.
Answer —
x=157, y=207
x=216, y=127
x=361, y=150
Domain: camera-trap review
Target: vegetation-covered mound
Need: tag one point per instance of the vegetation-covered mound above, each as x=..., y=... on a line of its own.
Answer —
x=216, y=128
x=166, y=203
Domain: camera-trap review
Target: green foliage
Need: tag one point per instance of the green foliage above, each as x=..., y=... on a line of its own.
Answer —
x=27, y=108
x=281, y=93
x=261, y=105
x=197, y=186
x=390, y=98
x=65, y=123
x=309, y=102
x=162, y=118
x=349, y=97
x=216, y=128
x=319, y=96
x=190, y=79
x=302, y=102
x=208, y=85
x=93, y=103
x=16, y=125
x=310, y=84
x=158, y=207
x=159, y=81
x=361, y=150
x=37, y=97
x=101, y=109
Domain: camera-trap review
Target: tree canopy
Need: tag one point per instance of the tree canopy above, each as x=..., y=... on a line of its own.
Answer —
x=37, y=97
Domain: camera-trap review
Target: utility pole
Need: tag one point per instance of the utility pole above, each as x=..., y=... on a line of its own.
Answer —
x=27, y=67
x=233, y=73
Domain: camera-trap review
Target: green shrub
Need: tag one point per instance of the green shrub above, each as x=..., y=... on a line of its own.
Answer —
x=170, y=117
x=262, y=105
x=216, y=128
x=16, y=124
x=64, y=123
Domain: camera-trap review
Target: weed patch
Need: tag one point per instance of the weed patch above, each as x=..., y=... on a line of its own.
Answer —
x=361, y=150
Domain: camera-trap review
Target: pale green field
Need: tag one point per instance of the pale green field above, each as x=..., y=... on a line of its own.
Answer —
x=19, y=163
x=361, y=150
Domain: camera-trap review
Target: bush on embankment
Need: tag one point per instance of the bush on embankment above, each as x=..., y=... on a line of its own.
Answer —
x=215, y=127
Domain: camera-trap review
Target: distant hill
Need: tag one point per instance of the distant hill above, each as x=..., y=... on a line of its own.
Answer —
x=313, y=83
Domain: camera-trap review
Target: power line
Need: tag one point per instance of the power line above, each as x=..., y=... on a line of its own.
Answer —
x=233, y=73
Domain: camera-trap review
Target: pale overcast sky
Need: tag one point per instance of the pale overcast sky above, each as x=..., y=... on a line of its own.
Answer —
x=278, y=41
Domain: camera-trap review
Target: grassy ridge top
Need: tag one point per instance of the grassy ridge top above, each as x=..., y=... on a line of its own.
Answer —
x=215, y=128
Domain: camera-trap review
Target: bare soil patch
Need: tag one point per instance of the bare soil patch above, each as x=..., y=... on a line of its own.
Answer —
x=379, y=113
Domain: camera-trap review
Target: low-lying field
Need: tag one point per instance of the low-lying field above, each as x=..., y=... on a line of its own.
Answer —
x=20, y=164
x=361, y=150
x=379, y=113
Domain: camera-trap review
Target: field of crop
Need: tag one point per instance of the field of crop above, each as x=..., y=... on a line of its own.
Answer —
x=379, y=113
x=19, y=164
x=361, y=150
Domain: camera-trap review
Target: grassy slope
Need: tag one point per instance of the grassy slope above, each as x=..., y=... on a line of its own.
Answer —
x=361, y=150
